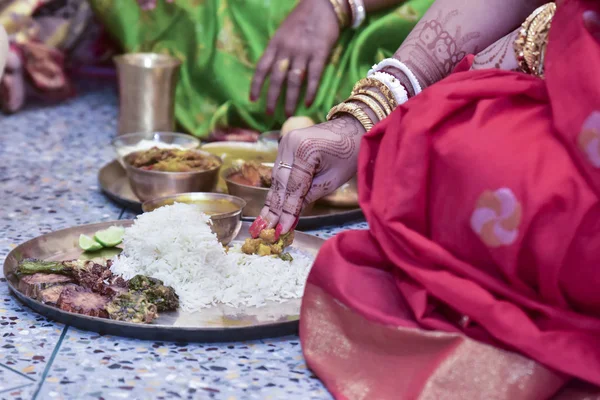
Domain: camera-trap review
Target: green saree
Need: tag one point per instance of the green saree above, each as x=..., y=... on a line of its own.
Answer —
x=220, y=41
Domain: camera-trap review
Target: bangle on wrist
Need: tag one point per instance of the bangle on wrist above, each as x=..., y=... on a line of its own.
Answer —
x=377, y=97
x=342, y=16
x=372, y=104
x=398, y=91
x=355, y=111
x=366, y=83
x=357, y=8
x=392, y=62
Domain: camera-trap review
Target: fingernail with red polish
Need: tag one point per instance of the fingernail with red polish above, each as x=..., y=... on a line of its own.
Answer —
x=257, y=226
x=278, y=230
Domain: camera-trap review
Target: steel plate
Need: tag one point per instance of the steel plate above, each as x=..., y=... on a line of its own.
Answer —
x=214, y=324
x=114, y=183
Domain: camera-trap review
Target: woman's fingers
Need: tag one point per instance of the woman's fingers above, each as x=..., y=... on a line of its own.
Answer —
x=278, y=74
x=295, y=78
x=298, y=185
x=262, y=70
x=592, y=23
x=315, y=70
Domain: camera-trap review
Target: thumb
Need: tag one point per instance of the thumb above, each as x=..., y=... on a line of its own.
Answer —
x=591, y=19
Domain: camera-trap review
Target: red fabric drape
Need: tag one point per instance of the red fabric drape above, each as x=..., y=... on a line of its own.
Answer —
x=482, y=197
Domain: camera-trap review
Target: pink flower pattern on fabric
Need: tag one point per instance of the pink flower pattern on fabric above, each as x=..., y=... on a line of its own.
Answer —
x=589, y=139
x=497, y=217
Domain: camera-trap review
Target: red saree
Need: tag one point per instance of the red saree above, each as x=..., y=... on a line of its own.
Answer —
x=480, y=275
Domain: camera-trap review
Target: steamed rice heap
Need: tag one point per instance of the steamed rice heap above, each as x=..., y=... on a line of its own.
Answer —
x=176, y=245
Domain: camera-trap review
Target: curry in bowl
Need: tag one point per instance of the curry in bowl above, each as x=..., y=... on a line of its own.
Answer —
x=171, y=160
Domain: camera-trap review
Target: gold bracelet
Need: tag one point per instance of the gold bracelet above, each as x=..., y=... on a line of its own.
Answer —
x=355, y=111
x=342, y=17
x=371, y=82
x=530, y=45
x=372, y=104
x=377, y=97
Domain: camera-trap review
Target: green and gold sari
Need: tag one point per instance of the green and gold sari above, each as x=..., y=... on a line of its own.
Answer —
x=220, y=41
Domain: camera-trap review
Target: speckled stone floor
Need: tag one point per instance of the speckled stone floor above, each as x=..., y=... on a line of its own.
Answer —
x=49, y=159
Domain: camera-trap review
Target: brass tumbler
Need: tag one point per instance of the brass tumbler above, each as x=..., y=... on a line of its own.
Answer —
x=147, y=83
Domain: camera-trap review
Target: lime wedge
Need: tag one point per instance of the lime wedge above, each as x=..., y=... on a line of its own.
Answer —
x=88, y=244
x=110, y=237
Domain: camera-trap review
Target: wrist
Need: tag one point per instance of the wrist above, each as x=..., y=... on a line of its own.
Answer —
x=339, y=10
x=354, y=121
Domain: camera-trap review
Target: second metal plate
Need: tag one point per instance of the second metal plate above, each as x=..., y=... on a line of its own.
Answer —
x=114, y=183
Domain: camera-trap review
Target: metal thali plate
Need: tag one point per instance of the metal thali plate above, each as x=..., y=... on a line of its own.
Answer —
x=114, y=183
x=214, y=324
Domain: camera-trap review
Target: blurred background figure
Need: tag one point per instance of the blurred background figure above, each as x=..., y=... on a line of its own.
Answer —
x=306, y=50
x=46, y=37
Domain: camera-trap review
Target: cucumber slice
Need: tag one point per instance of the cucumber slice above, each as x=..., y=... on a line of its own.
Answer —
x=88, y=244
x=110, y=237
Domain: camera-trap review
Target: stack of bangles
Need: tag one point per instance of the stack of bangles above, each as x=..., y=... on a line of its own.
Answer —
x=380, y=92
x=357, y=12
x=530, y=45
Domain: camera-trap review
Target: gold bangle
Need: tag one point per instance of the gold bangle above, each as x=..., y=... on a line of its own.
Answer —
x=372, y=104
x=342, y=17
x=355, y=111
x=530, y=45
x=377, y=97
x=370, y=82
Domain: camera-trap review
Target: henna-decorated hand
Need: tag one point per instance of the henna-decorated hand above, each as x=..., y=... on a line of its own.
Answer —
x=322, y=158
x=302, y=44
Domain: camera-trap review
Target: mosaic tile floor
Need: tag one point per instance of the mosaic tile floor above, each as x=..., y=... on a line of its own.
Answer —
x=49, y=161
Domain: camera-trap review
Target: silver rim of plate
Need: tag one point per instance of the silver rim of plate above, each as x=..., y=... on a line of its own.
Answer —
x=214, y=324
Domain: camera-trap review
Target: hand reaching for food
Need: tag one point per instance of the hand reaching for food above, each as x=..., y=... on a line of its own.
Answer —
x=298, y=50
x=311, y=163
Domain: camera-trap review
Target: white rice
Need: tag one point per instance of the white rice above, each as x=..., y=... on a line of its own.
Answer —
x=176, y=245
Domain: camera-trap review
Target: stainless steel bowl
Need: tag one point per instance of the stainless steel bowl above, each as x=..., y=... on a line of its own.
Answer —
x=224, y=210
x=125, y=144
x=149, y=185
x=255, y=197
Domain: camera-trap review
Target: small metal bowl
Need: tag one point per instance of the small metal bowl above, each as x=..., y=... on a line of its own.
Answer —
x=224, y=210
x=126, y=144
x=149, y=185
x=255, y=197
x=236, y=153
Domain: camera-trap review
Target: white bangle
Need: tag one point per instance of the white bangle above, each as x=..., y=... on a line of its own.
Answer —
x=392, y=62
x=393, y=84
x=358, y=12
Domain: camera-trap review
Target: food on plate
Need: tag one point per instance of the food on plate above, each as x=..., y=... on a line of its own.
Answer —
x=110, y=237
x=181, y=264
x=145, y=144
x=252, y=174
x=33, y=285
x=132, y=307
x=235, y=153
x=294, y=123
x=90, y=288
x=162, y=296
x=269, y=243
x=106, y=238
x=171, y=160
x=81, y=300
x=186, y=255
